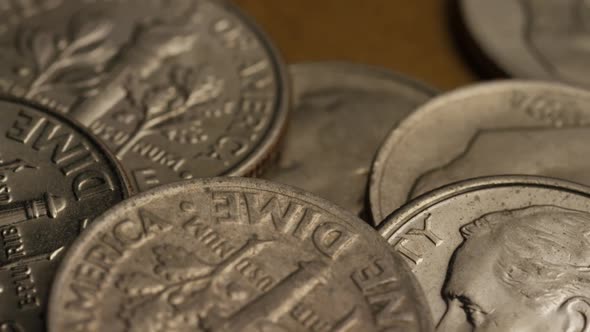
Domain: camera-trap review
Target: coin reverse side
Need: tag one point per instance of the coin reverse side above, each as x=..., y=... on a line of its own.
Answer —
x=233, y=254
x=176, y=88
x=54, y=179
x=499, y=253
x=533, y=39
x=342, y=112
x=504, y=127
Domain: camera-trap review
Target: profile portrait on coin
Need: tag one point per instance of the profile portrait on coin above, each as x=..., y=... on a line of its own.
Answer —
x=520, y=270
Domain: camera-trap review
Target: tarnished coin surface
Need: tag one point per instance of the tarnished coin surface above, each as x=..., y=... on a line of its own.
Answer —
x=532, y=38
x=54, y=179
x=233, y=254
x=342, y=113
x=500, y=254
x=176, y=88
x=509, y=127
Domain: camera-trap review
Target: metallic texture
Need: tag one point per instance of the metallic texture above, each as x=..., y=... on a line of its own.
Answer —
x=233, y=254
x=342, y=112
x=505, y=253
x=504, y=127
x=177, y=89
x=535, y=39
x=54, y=179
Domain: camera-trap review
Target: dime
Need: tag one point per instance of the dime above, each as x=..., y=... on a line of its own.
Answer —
x=509, y=127
x=500, y=254
x=342, y=112
x=176, y=88
x=233, y=254
x=532, y=39
x=54, y=179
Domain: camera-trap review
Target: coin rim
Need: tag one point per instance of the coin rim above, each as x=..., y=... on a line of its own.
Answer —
x=434, y=105
x=265, y=152
x=112, y=161
x=399, y=218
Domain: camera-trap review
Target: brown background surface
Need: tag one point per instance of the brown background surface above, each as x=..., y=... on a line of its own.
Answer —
x=411, y=37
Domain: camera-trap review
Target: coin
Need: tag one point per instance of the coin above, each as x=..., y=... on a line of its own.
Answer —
x=176, y=88
x=342, y=112
x=233, y=254
x=506, y=127
x=500, y=253
x=532, y=39
x=54, y=179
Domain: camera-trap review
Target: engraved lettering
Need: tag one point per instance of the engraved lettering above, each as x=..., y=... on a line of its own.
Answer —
x=24, y=286
x=131, y=232
x=401, y=248
x=159, y=155
x=225, y=206
x=331, y=239
x=255, y=274
x=382, y=290
x=286, y=218
x=426, y=232
x=208, y=236
x=146, y=178
x=91, y=184
x=24, y=127
x=12, y=243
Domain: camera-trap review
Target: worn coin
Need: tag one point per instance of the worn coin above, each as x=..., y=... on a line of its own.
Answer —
x=509, y=127
x=233, y=254
x=500, y=254
x=532, y=38
x=342, y=112
x=54, y=179
x=177, y=88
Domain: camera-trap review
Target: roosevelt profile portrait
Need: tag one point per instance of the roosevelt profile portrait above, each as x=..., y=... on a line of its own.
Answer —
x=520, y=270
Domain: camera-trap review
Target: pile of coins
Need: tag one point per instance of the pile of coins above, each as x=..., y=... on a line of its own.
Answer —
x=133, y=133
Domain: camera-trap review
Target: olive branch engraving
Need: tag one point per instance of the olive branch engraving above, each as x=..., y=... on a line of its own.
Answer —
x=167, y=105
x=173, y=295
x=180, y=275
x=74, y=61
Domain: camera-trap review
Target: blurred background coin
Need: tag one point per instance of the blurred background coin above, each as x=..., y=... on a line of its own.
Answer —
x=505, y=127
x=233, y=254
x=342, y=112
x=54, y=179
x=177, y=89
x=535, y=39
x=500, y=254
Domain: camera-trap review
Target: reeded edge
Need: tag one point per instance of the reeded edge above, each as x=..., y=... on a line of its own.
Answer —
x=399, y=217
x=95, y=227
x=397, y=135
x=264, y=153
x=361, y=69
x=113, y=161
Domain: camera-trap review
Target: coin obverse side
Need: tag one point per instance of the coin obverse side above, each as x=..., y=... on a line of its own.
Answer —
x=533, y=39
x=504, y=127
x=342, y=112
x=176, y=88
x=500, y=253
x=54, y=179
x=233, y=254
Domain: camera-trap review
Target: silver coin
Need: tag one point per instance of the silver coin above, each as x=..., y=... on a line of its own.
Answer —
x=342, y=112
x=54, y=179
x=508, y=127
x=233, y=254
x=500, y=254
x=177, y=88
x=532, y=38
